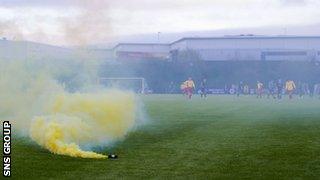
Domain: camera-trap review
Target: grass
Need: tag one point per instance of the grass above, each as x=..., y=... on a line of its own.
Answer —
x=223, y=137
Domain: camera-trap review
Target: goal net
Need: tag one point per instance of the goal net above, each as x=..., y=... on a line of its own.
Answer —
x=136, y=84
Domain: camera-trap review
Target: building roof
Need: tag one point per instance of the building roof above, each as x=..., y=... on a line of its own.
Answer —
x=242, y=37
x=248, y=36
x=150, y=44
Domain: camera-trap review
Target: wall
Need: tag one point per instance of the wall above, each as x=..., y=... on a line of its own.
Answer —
x=142, y=51
x=252, y=48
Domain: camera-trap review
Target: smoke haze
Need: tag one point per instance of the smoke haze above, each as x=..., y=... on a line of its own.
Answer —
x=34, y=97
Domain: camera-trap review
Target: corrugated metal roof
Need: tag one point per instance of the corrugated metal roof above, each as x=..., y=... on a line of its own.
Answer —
x=150, y=44
x=220, y=37
x=243, y=37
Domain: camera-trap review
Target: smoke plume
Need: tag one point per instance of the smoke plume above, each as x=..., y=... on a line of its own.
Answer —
x=92, y=24
x=64, y=123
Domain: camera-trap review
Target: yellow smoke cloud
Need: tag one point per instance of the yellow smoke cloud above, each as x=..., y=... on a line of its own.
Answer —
x=81, y=119
x=62, y=122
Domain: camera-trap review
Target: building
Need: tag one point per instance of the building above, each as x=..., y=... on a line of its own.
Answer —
x=26, y=50
x=228, y=48
x=101, y=54
x=252, y=48
x=138, y=51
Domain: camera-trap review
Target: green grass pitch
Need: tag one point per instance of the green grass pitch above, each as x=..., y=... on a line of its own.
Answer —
x=222, y=137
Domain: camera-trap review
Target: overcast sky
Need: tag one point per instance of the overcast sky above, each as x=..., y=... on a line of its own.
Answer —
x=68, y=22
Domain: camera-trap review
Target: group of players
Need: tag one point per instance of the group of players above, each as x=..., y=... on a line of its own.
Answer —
x=274, y=89
x=188, y=86
x=277, y=88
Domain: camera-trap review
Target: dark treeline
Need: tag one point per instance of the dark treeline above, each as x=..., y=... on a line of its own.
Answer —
x=160, y=74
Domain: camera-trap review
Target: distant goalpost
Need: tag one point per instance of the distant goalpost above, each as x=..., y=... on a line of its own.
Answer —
x=137, y=84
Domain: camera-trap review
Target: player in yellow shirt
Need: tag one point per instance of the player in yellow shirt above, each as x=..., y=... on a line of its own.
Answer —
x=259, y=89
x=183, y=88
x=189, y=87
x=290, y=87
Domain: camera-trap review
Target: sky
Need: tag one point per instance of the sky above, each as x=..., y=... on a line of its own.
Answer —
x=78, y=22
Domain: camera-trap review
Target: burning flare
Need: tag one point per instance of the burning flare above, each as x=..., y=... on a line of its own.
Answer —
x=84, y=120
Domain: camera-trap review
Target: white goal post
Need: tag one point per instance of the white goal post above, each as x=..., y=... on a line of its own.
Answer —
x=116, y=81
